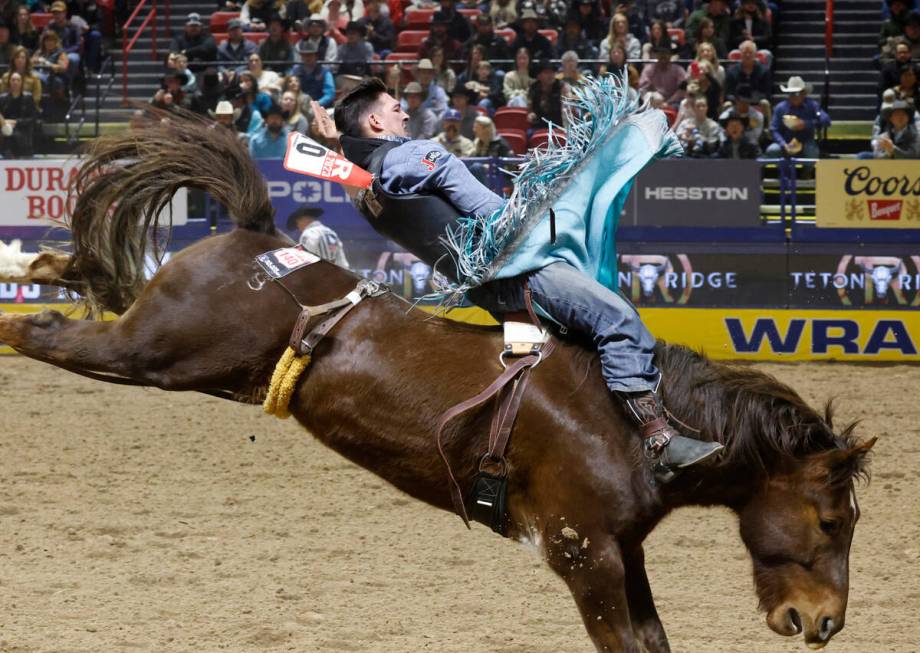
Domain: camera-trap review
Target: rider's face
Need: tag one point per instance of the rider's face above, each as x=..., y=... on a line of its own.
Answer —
x=387, y=118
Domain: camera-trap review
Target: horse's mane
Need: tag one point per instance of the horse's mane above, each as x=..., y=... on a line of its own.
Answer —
x=760, y=420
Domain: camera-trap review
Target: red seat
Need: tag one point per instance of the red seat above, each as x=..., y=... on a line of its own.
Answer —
x=550, y=34
x=219, y=19
x=511, y=118
x=40, y=21
x=508, y=34
x=671, y=113
x=418, y=19
x=677, y=35
x=517, y=139
x=255, y=37
x=735, y=55
x=409, y=40
x=541, y=137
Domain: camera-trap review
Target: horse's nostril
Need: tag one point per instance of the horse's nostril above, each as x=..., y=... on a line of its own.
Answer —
x=827, y=627
x=796, y=620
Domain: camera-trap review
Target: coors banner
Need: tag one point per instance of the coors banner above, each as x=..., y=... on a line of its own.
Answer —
x=869, y=194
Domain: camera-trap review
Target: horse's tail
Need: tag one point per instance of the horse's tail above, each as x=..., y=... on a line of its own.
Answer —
x=123, y=192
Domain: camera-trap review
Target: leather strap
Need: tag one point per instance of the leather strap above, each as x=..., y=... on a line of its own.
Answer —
x=655, y=426
x=308, y=344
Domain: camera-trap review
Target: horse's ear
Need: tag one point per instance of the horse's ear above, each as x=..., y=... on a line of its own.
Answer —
x=844, y=465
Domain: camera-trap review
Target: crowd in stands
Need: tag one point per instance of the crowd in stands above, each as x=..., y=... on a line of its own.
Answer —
x=46, y=49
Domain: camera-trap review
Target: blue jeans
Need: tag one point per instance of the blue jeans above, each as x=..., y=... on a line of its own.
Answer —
x=582, y=304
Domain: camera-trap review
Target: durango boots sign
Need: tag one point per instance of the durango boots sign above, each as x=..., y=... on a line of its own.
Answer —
x=868, y=194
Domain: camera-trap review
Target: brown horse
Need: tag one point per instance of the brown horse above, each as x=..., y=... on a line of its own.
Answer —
x=578, y=489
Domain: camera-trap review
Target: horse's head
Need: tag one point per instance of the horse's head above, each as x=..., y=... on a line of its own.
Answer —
x=798, y=528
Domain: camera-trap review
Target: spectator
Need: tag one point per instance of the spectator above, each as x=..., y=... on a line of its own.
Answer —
x=503, y=13
x=255, y=14
x=891, y=71
x=572, y=39
x=899, y=138
x=911, y=36
x=706, y=52
x=422, y=121
x=663, y=76
x=545, y=97
x=68, y=33
x=487, y=141
x=439, y=38
x=51, y=65
x=31, y=84
x=736, y=144
x=25, y=33
x=170, y=96
x=315, y=80
x=8, y=10
x=537, y=45
x=337, y=18
x=551, y=13
x=458, y=27
x=747, y=71
x=795, y=121
x=253, y=95
x=295, y=120
x=196, y=44
x=670, y=12
x=745, y=105
x=460, y=100
x=451, y=139
x=269, y=81
x=616, y=61
x=570, y=74
x=6, y=45
x=434, y=96
x=326, y=47
x=277, y=48
x=490, y=87
x=750, y=24
x=297, y=13
x=698, y=133
x=317, y=238
x=592, y=22
x=893, y=28
x=716, y=12
x=210, y=94
x=17, y=120
x=270, y=140
x=445, y=77
x=638, y=25
x=907, y=84
x=234, y=52
x=225, y=115
x=619, y=33
x=355, y=54
x=292, y=83
x=247, y=120
x=705, y=33
x=380, y=31
x=493, y=45
x=179, y=63
x=658, y=36
x=705, y=83
x=517, y=83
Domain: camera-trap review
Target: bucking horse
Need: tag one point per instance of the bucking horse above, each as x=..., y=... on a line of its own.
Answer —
x=379, y=381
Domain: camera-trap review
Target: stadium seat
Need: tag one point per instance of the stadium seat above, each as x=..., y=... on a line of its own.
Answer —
x=255, y=37
x=508, y=34
x=40, y=21
x=418, y=19
x=470, y=13
x=677, y=35
x=735, y=55
x=671, y=113
x=511, y=118
x=219, y=20
x=550, y=34
x=516, y=138
x=541, y=137
x=409, y=40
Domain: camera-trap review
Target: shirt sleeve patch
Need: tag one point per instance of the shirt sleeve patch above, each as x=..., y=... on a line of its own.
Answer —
x=431, y=158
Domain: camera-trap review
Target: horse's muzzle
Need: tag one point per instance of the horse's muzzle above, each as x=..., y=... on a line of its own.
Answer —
x=814, y=625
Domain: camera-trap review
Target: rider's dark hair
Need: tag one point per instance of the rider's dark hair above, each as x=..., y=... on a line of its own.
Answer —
x=352, y=108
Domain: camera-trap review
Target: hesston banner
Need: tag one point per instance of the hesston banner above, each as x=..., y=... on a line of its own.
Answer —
x=34, y=193
x=868, y=194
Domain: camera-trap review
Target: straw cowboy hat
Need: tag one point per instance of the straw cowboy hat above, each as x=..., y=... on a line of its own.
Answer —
x=224, y=108
x=898, y=105
x=795, y=85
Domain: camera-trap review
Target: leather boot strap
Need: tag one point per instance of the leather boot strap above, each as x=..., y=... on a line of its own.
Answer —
x=654, y=427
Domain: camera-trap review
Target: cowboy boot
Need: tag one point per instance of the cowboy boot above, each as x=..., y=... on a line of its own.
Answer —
x=666, y=449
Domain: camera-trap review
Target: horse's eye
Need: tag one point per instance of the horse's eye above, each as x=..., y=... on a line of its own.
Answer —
x=830, y=526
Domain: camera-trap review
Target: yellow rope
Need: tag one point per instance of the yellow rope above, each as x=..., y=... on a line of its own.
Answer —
x=289, y=368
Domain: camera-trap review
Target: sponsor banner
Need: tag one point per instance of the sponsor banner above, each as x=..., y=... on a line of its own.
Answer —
x=868, y=194
x=684, y=193
x=34, y=193
x=855, y=280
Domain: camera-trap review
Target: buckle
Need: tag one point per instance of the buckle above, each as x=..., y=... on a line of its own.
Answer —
x=655, y=444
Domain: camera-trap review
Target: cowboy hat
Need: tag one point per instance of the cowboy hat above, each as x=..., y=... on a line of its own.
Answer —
x=224, y=108
x=795, y=85
x=745, y=93
x=303, y=212
x=898, y=105
x=734, y=115
x=528, y=14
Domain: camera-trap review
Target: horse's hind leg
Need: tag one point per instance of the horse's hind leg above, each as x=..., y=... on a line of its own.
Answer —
x=645, y=621
x=592, y=566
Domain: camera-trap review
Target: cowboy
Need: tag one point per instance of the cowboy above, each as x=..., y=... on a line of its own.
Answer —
x=197, y=45
x=315, y=79
x=225, y=115
x=899, y=139
x=795, y=122
x=317, y=238
x=425, y=191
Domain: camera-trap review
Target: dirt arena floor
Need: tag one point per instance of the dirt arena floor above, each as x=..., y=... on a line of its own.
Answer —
x=140, y=520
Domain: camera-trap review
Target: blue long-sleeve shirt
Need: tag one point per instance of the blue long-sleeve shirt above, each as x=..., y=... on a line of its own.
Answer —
x=811, y=114
x=262, y=145
x=426, y=167
x=318, y=83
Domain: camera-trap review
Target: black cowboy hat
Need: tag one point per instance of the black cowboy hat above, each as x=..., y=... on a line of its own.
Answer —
x=175, y=74
x=734, y=115
x=669, y=47
x=744, y=92
x=439, y=18
x=355, y=26
x=303, y=212
x=278, y=18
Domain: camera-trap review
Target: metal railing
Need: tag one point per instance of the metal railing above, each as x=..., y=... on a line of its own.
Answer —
x=127, y=46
